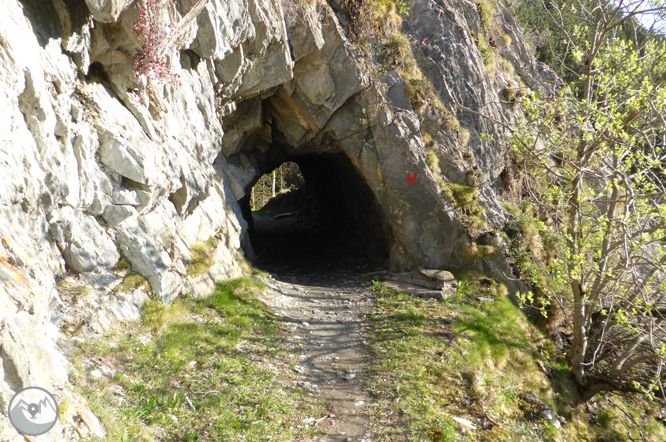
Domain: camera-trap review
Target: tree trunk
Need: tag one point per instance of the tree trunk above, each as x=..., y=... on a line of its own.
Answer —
x=253, y=208
x=273, y=186
x=592, y=390
x=579, y=344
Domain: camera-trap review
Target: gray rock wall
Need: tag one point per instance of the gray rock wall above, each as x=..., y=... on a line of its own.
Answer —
x=99, y=168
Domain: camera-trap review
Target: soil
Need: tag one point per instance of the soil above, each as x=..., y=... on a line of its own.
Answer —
x=315, y=285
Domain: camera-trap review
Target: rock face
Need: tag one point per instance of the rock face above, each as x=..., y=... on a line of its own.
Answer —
x=99, y=169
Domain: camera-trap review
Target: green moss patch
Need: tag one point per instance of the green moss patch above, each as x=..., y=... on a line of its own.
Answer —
x=131, y=282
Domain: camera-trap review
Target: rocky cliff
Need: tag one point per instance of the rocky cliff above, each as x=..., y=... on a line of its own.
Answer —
x=103, y=172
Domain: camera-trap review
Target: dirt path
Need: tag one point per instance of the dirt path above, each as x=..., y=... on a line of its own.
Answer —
x=328, y=321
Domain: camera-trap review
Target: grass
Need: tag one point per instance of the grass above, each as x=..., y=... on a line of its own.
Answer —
x=465, y=198
x=131, y=282
x=434, y=361
x=432, y=160
x=210, y=369
x=201, y=257
x=398, y=53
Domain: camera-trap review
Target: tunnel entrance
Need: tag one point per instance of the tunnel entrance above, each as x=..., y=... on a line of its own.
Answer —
x=327, y=221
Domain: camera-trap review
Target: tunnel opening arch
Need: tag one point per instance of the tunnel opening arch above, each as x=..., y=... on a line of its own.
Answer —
x=334, y=218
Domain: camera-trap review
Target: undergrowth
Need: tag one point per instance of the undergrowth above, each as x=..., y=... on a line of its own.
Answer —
x=469, y=357
x=201, y=369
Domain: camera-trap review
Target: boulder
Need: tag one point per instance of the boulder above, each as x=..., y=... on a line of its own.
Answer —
x=424, y=283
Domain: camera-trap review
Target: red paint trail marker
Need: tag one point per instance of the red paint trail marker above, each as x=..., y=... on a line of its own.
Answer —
x=411, y=178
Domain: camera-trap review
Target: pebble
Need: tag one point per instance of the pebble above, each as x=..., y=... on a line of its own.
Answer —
x=464, y=422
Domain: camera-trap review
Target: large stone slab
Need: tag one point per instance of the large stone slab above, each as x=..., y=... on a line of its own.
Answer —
x=424, y=283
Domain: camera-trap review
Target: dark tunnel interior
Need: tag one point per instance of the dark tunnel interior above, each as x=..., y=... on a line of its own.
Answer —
x=332, y=222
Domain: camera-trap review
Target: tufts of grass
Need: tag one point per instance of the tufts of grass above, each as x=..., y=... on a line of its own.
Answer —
x=249, y=269
x=398, y=53
x=466, y=198
x=72, y=290
x=510, y=93
x=508, y=66
x=428, y=142
x=432, y=160
x=213, y=369
x=433, y=361
x=201, y=257
x=133, y=281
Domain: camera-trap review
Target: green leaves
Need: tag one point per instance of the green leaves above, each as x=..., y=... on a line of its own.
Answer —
x=594, y=168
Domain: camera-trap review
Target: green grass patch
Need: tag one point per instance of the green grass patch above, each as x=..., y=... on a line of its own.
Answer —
x=432, y=160
x=433, y=361
x=201, y=256
x=131, y=282
x=213, y=369
x=398, y=53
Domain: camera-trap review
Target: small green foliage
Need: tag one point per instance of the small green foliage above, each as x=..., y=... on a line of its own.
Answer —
x=122, y=264
x=429, y=359
x=486, y=52
x=133, y=281
x=201, y=256
x=486, y=251
x=64, y=408
x=210, y=354
x=432, y=160
x=249, y=269
x=466, y=198
x=398, y=53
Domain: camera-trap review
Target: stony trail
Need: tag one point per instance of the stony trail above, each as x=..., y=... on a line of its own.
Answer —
x=327, y=321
